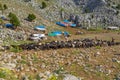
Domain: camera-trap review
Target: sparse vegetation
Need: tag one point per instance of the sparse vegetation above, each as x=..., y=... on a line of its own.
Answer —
x=98, y=47
x=31, y=17
x=44, y=5
x=15, y=49
x=53, y=77
x=7, y=74
x=3, y=7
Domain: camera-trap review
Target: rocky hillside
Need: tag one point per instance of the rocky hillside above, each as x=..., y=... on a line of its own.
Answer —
x=91, y=12
x=93, y=63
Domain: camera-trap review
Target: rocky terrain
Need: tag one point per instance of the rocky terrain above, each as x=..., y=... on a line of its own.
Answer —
x=86, y=64
x=90, y=12
x=100, y=62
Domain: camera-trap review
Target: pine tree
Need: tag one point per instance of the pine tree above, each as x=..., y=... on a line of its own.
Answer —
x=14, y=20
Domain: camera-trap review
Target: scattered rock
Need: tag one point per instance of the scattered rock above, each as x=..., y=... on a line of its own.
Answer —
x=70, y=77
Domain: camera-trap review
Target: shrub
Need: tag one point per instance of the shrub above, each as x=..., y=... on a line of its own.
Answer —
x=14, y=20
x=53, y=77
x=7, y=74
x=38, y=77
x=118, y=6
x=15, y=49
x=5, y=7
x=31, y=17
x=98, y=47
x=44, y=5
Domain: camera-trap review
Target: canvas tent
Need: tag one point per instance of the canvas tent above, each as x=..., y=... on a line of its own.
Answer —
x=112, y=28
x=73, y=25
x=37, y=36
x=66, y=23
x=41, y=28
x=60, y=24
x=55, y=33
x=66, y=33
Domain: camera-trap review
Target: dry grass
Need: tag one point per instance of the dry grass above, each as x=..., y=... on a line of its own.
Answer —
x=104, y=58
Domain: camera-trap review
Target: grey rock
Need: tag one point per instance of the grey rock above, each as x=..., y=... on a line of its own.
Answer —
x=2, y=79
x=43, y=65
x=70, y=77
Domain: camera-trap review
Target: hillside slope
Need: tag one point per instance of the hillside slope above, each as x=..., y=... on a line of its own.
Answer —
x=94, y=12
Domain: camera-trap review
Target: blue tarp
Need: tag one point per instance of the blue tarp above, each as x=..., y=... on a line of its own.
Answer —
x=66, y=33
x=9, y=25
x=55, y=33
x=66, y=21
x=73, y=25
x=60, y=24
x=41, y=27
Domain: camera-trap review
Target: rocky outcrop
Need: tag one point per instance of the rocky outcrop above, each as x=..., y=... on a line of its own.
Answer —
x=7, y=34
x=70, y=77
x=92, y=13
x=93, y=4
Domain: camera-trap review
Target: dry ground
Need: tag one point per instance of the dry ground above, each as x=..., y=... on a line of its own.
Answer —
x=81, y=62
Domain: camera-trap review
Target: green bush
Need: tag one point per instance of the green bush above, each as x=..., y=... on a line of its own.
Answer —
x=7, y=74
x=15, y=49
x=14, y=20
x=53, y=77
x=118, y=6
x=3, y=7
x=31, y=17
x=44, y=5
x=38, y=77
x=98, y=47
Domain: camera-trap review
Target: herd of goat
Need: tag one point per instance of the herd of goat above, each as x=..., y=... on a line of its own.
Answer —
x=76, y=43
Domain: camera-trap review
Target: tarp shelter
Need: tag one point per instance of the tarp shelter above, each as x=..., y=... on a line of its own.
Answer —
x=60, y=24
x=9, y=25
x=41, y=27
x=3, y=18
x=73, y=25
x=66, y=21
x=66, y=33
x=112, y=28
x=55, y=33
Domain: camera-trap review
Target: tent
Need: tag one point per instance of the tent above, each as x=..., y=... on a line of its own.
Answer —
x=9, y=25
x=73, y=25
x=66, y=33
x=3, y=18
x=66, y=21
x=55, y=33
x=41, y=27
x=60, y=24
